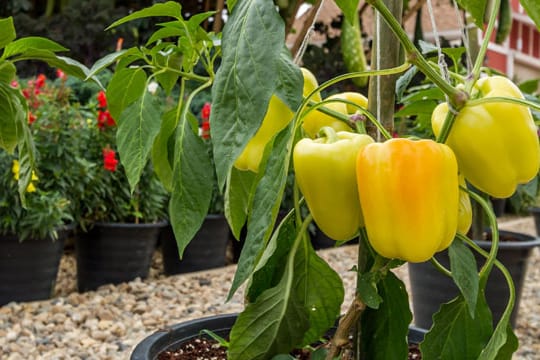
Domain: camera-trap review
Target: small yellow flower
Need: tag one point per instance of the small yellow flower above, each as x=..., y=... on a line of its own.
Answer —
x=15, y=169
x=30, y=188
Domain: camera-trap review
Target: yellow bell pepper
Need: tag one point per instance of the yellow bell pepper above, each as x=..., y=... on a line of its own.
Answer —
x=409, y=196
x=496, y=144
x=465, y=209
x=316, y=120
x=278, y=116
x=325, y=170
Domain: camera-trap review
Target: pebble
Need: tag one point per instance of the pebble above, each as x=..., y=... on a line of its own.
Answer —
x=109, y=322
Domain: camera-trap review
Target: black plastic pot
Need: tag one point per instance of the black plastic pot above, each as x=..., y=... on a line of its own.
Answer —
x=28, y=269
x=112, y=253
x=206, y=250
x=430, y=288
x=175, y=336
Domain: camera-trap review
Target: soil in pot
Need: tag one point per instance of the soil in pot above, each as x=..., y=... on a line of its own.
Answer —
x=204, y=348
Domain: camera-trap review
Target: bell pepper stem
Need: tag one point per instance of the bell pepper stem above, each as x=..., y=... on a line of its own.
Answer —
x=329, y=133
x=447, y=126
x=479, y=62
x=499, y=99
x=440, y=267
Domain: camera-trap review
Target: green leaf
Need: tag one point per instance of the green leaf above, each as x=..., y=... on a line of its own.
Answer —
x=532, y=7
x=22, y=45
x=464, y=273
x=431, y=93
x=170, y=8
x=417, y=107
x=384, y=331
x=7, y=71
x=169, y=78
x=476, y=8
x=238, y=197
x=109, y=59
x=126, y=86
x=504, y=24
x=265, y=206
x=7, y=32
x=165, y=32
x=403, y=82
x=138, y=126
x=455, y=53
x=163, y=149
x=349, y=8
x=246, y=79
x=289, y=87
x=274, y=324
x=322, y=288
x=503, y=341
x=367, y=290
x=193, y=184
x=283, y=357
x=529, y=86
x=455, y=334
x=273, y=261
x=12, y=117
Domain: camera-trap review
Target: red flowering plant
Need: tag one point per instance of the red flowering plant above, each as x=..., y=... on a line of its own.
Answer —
x=58, y=127
x=108, y=197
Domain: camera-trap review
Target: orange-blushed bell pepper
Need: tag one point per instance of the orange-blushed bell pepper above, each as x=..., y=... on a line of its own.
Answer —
x=278, y=116
x=409, y=196
x=315, y=120
x=325, y=170
x=496, y=144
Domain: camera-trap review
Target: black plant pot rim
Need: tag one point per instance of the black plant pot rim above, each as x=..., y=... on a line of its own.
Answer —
x=528, y=241
x=131, y=225
x=155, y=343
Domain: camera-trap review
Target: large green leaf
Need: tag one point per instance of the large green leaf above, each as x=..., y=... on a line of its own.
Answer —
x=476, y=8
x=170, y=8
x=238, y=197
x=455, y=334
x=32, y=42
x=138, y=126
x=464, y=273
x=12, y=117
x=274, y=324
x=109, y=59
x=251, y=48
x=7, y=32
x=503, y=341
x=126, y=86
x=289, y=86
x=273, y=261
x=192, y=187
x=532, y=7
x=384, y=331
x=265, y=205
x=68, y=65
x=163, y=149
x=7, y=71
x=322, y=288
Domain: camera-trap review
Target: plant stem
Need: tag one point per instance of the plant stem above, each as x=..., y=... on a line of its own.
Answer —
x=456, y=97
x=479, y=62
x=341, y=336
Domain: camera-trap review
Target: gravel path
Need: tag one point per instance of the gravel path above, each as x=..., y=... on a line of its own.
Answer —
x=109, y=322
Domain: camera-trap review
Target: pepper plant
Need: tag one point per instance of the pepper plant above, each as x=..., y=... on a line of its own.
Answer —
x=401, y=197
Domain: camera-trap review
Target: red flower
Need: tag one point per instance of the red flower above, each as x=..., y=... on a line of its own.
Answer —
x=102, y=99
x=14, y=84
x=60, y=74
x=205, y=129
x=205, y=111
x=31, y=118
x=26, y=93
x=109, y=159
x=105, y=119
x=40, y=81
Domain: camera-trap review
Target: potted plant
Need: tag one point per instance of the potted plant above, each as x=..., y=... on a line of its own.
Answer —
x=293, y=297
x=33, y=234
x=208, y=248
x=120, y=226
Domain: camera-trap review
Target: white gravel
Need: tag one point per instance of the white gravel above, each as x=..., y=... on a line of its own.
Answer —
x=109, y=322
